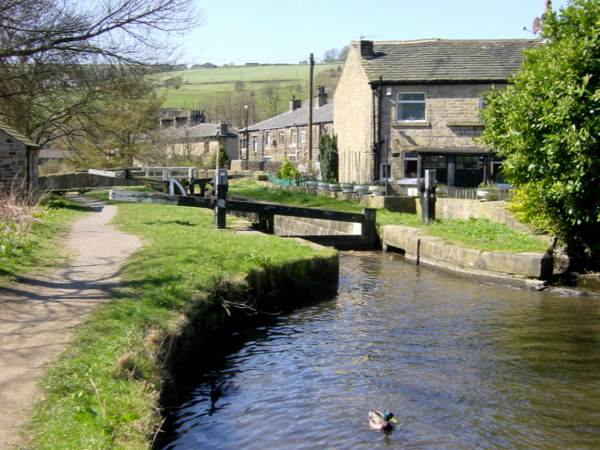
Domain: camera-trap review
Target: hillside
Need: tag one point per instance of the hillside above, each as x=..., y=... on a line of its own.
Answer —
x=222, y=91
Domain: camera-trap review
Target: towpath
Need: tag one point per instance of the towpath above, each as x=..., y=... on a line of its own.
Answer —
x=37, y=315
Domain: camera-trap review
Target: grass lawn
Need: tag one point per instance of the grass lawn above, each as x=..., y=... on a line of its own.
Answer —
x=202, y=85
x=480, y=234
x=38, y=248
x=102, y=394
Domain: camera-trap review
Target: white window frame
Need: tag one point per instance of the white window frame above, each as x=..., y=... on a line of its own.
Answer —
x=424, y=102
x=268, y=139
x=381, y=172
x=294, y=139
x=303, y=137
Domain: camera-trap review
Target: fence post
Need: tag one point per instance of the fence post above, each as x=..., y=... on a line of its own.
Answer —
x=266, y=222
x=369, y=225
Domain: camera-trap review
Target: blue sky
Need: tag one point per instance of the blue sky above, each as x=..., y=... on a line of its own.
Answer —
x=288, y=31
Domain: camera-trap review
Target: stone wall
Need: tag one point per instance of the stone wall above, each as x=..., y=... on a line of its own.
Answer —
x=296, y=226
x=205, y=148
x=452, y=121
x=434, y=251
x=13, y=162
x=353, y=121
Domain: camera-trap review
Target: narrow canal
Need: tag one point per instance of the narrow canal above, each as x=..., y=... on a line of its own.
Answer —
x=462, y=364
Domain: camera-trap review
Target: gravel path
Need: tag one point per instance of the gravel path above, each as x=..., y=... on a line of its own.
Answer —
x=37, y=314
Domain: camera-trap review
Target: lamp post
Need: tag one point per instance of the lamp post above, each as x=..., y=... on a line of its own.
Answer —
x=246, y=132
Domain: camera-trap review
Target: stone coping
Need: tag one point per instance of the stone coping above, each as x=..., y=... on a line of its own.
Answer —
x=435, y=251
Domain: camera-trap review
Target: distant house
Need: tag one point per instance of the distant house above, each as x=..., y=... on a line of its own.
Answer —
x=405, y=106
x=286, y=135
x=18, y=160
x=178, y=117
x=200, y=141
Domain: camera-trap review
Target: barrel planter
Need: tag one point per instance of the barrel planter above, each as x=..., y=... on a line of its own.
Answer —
x=441, y=191
x=347, y=188
x=377, y=190
x=361, y=188
x=487, y=195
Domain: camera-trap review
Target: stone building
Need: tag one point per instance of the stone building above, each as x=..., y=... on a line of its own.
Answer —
x=200, y=141
x=18, y=160
x=405, y=106
x=286, y=135
x=177, y=117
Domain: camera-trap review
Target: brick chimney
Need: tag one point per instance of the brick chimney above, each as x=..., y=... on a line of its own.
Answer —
x=295, y=104
x=321, y=97
x=366, y=49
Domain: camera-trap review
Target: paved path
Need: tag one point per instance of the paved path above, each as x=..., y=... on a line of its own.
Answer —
x=38, y=314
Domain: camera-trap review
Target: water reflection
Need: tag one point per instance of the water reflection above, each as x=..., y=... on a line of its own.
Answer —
x=462, y=364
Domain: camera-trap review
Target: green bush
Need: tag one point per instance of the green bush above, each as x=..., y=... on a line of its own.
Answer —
x=287, y=171
x=328, y=153
x=546, y=127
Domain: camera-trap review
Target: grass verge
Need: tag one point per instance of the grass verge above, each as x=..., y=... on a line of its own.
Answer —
x=103, y=391
x=481, y=234
x=33, y=247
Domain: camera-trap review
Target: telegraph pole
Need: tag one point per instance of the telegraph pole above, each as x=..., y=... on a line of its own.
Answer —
x=310, y=108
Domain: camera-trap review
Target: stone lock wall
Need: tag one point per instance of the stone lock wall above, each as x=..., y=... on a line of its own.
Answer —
x=13, y=162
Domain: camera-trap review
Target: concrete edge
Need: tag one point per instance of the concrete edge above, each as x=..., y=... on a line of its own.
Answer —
x=482, y=275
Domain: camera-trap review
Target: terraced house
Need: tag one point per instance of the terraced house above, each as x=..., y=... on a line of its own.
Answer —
x=286, y=135
x=401, y=107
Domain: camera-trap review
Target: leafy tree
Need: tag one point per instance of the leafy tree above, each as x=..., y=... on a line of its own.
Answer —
x=223, y=160
x=57, y=58
x=118, y=131
x=546, y=126
x=328, y=152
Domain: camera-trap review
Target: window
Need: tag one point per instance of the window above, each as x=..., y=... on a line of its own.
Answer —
x=410, y=164
x=410, y=107
x=282, y=138
x=294, y=141
x=303, y=137
x=385, y=172
x=468, y=162
x=268, y=139
x=434, y=162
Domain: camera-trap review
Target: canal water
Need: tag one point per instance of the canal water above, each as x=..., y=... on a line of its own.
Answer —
x=462, y=364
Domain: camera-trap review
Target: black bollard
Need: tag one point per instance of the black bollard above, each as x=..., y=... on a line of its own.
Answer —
x=427, y=188
x=221, y=185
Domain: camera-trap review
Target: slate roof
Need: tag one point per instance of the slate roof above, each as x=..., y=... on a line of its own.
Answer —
x=442, y=60
x=202, y=130
x=16, y=135
x=298, y=117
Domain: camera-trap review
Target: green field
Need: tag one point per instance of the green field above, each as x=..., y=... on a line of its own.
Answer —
x=197, y=87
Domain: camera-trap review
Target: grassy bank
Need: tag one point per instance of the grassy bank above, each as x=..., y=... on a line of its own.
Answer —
x=103, y=392
x=480, y=234
x=29, y=237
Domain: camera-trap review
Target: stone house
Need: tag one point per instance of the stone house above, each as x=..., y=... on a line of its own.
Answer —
x=18, y=160
x=177, y=117
x=200, y=141
x=405, y=106
x=286, y=135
